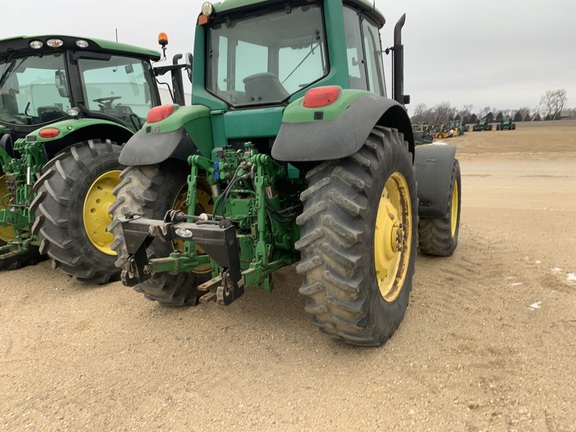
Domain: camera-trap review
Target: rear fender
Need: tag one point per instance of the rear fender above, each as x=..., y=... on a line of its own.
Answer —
x=338, y=130
x=73, y=131
x=74, y=127
x=6, y=153
x=184, y=133
x=434, y=164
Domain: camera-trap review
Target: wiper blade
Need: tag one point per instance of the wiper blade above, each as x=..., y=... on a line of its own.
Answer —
x=8, y=71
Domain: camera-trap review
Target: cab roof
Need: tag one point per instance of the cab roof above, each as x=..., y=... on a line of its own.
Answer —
x=234, y=5
x=21, y=45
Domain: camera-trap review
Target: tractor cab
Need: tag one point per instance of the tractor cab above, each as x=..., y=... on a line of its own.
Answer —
x=252, y=62
x=50, y=78
x=273, y=54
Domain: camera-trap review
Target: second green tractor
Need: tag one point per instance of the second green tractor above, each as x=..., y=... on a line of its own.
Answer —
x=67, y=104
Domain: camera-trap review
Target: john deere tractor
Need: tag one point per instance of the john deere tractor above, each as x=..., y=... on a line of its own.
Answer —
x=66, y=106
x=506, y=124
x=482, y=125
x=290, y=153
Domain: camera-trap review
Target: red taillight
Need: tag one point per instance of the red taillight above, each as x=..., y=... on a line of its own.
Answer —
x=321, y=96
x=49, y=133
x=159, y=113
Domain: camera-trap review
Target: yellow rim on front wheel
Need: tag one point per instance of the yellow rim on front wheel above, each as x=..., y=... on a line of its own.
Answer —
x=393, y=237
x=95, y=213
x=6, y=232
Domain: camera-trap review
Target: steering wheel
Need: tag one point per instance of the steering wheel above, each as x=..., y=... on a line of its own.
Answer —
x=106, y=102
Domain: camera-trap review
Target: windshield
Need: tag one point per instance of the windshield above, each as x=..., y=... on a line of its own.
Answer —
x=33, y=90
x=265, y=59
x=119, y=86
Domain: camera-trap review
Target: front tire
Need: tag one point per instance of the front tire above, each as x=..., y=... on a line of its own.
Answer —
x=150, y=191
x=439, y=237
x=358, y=241
x=71, y=210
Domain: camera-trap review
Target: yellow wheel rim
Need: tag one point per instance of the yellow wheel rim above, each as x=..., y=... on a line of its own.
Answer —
x=6, y=232
x=95, y=214
x=393, y=237
x=203, y=205
x=454, y=214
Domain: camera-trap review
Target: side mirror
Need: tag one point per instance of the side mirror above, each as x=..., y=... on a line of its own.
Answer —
x=61, y=84
x=189, y=64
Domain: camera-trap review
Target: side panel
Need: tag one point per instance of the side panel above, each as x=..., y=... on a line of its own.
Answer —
x=254, y=123
x=312, y=134
x=433, y=164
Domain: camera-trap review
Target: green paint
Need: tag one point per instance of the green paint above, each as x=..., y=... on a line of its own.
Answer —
x=296, y=112
x=70, y=126
x=256, y=123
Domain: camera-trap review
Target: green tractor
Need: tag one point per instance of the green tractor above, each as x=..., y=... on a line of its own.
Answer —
x=458, y=126
x=67, y=104
x=290, y=153
x=506, y=124
x=482, y=125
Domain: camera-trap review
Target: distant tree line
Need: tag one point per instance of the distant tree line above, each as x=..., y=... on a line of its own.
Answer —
x=551, y=107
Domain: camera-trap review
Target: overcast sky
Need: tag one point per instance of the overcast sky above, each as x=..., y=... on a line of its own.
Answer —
x=500, y=53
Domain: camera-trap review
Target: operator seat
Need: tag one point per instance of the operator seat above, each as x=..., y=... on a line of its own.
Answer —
x=50, y=113
x=264, y=87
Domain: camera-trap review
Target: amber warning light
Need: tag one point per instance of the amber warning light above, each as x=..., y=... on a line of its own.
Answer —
x=163, y=39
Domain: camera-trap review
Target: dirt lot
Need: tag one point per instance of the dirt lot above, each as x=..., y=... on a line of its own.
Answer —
x=488, y=342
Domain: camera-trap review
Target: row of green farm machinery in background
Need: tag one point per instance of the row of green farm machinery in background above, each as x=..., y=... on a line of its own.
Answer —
x=290, y=153
x=484, y=124
x=456, y=128
x=428, y=132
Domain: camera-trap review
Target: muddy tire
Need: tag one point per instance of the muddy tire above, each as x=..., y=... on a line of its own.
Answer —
x=358, y=241
x=71, y=210
x=150, y=191
x=439, y=237
x=31, y=256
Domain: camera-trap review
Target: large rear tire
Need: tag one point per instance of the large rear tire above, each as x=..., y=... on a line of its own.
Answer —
x=71, y=210
x=358, y=241
x=31, y=256
x=150, y=191
x=439, y=237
